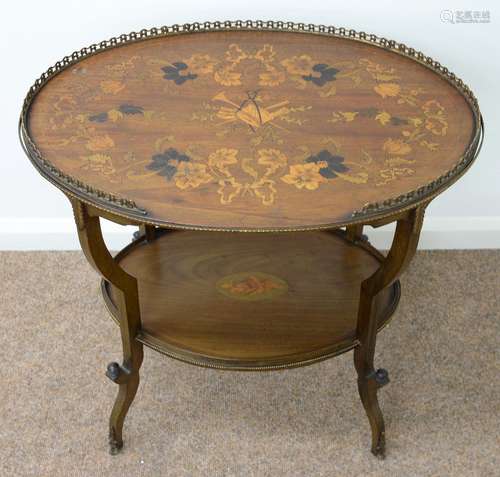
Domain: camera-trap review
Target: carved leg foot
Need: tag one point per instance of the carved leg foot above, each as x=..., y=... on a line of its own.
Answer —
x=368, y=386
x=115, y=445
x=128, y=382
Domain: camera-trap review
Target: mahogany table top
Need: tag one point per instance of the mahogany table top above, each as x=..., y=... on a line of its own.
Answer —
x=251, y=129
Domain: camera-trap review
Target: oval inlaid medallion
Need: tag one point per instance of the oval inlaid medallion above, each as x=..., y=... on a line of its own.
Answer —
x=252, y=286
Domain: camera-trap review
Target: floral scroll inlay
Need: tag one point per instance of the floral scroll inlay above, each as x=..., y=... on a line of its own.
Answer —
x=166, y=164
x=101, y=163
x=230, y=69
x=244, y=100
x=177, y=72
x=387, y=90
x=330, y=165
x=321, y=75
x=112, y=86
x=306, y=176
x=249, y=176
x=116, y=114
x=100, y=143
x=396, y=147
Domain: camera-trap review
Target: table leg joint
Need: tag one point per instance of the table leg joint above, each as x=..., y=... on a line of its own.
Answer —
x=380, y=376
x=354, y=233
x=146, y=231
x=117, y=373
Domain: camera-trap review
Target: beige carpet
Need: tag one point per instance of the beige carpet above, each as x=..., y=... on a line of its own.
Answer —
x=441, y=407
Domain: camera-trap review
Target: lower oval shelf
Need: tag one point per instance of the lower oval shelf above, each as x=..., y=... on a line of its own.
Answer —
x=250, y=301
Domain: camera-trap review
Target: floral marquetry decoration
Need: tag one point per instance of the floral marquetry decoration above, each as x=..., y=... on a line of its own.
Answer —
x=252, y=286
x=251, y=155
x=251, y=126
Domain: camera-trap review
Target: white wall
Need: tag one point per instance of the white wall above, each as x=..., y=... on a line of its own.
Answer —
x=35, y=34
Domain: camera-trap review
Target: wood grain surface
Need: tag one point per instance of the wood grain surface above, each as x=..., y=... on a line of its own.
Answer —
x=248, y=129
x=242, y=300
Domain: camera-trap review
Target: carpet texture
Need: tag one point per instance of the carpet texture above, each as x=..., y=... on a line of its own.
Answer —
x=441, y=407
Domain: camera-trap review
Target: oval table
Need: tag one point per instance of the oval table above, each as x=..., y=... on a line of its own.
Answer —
x=299, y=136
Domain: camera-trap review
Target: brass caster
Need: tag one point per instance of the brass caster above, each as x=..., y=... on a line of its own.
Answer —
x=379, y=450
x=115, y=446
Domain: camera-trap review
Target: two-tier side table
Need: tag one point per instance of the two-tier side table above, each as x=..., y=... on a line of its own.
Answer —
x=251, y=155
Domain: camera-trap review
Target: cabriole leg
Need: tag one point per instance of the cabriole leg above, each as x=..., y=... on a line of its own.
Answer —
x=126, y=375
x=370, y=380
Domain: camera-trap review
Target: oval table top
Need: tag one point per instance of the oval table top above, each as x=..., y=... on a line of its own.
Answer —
x=251, y=128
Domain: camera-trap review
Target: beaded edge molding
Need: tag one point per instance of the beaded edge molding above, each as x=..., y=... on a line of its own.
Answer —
x=129, y=207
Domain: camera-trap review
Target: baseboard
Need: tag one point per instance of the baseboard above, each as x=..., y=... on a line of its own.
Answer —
x=60, y=234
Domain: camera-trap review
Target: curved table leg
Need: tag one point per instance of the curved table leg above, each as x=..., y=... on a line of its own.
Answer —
x=370, y=380
x=125, y=375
